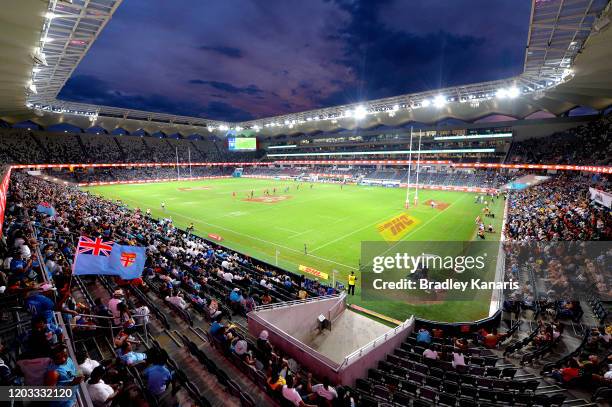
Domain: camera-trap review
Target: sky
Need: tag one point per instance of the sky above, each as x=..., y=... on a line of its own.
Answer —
x=237, y=60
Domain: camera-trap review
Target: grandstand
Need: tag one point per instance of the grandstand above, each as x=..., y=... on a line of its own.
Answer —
x=261, y=238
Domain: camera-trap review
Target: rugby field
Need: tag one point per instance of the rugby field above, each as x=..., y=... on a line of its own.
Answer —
x=331, y=221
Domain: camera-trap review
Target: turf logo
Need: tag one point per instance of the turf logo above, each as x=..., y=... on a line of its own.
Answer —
x=439, y=205
x=268, y=199
x=395, y=228
x=200, y=188
x=314, y=272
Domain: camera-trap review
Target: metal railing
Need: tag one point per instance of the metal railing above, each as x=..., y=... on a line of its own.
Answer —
x=367, y=348
x=296, y=302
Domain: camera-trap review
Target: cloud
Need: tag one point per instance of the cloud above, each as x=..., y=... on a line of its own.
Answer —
x=228, y=87
x=91, y=89
x=229, y=52
x=228, y=112
x=254, y=60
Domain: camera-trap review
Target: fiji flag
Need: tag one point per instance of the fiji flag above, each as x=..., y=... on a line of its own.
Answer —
x=45, y=207
x=127, y=262
x=97, y=256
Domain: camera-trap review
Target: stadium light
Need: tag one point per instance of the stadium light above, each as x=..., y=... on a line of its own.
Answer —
x=360, y=112
x=513, y=92
x=425, y=103
x=47, y=39
x=439, y=101
x=49, y=15
x=501, y=93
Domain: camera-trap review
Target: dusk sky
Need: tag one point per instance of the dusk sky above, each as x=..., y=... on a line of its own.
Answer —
x=237, y=60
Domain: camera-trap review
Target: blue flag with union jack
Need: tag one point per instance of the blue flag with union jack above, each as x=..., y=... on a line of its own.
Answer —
x=99, y=256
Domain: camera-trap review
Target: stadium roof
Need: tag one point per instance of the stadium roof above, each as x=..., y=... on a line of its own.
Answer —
x=566, y=65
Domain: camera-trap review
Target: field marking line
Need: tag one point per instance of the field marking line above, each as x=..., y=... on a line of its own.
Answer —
x=300, y=233
x=252, y=237
x=270, y=207
x=349, y=234
x=286, y=230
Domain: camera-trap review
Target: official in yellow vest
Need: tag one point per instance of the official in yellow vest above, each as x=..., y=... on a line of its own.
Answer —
x=351, y=283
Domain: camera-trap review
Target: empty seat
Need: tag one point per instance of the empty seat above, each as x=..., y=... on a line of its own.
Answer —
x=447, y=399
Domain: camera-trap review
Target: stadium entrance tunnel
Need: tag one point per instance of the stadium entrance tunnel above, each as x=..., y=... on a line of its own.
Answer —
x=326, y=337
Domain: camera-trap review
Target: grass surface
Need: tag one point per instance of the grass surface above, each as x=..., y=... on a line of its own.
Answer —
x=332, y=222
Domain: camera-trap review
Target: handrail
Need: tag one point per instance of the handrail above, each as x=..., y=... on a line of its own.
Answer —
x=296, y=302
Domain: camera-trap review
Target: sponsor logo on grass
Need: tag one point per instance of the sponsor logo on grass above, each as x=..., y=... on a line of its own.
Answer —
x=215, y=237
x=268, y=199
x=314, y=272
x=439, y=205
x=395, y=228
x=199, y=188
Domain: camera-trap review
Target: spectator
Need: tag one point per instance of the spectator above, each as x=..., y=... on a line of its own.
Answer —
x=458, y=358
x=567, y=374
x=101, y=394
x=113, y=305
x=290, y=394
x=429, y=353
x=325, y=390
x=39, y=303
x=157, y=374
x=86, y=364
x=423, y=336
x=128, y=356
x=178, y=301
x=276, y=382
x=62, y=372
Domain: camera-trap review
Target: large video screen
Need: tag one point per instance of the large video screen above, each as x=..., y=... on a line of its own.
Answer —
x=242, y=143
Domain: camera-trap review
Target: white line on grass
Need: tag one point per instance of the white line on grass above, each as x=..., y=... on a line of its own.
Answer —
x=349, y=234
x=287, y=230
x=180, y=215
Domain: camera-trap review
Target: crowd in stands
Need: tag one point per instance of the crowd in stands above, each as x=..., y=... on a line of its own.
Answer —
x=427, y=176
x=588, y=144
x=135, y=174
x=557, y=210
x=23, y=146
x=184, y=269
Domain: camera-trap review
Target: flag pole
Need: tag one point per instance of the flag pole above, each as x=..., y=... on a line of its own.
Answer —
x=407, y=203
x=416, y=186
x=178, y=173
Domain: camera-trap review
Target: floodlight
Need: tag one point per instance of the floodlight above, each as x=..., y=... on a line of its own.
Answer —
x=425, y=103
x=513, y=92
x=32, y=88
x=501, y=93
x=439, y=101
x=360, y=112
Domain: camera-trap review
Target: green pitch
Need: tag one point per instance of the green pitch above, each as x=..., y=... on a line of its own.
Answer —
x=331, y=222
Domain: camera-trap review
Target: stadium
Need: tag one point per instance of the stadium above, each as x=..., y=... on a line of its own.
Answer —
x=346, y=203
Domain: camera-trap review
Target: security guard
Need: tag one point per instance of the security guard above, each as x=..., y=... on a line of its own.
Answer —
x=351, y=283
